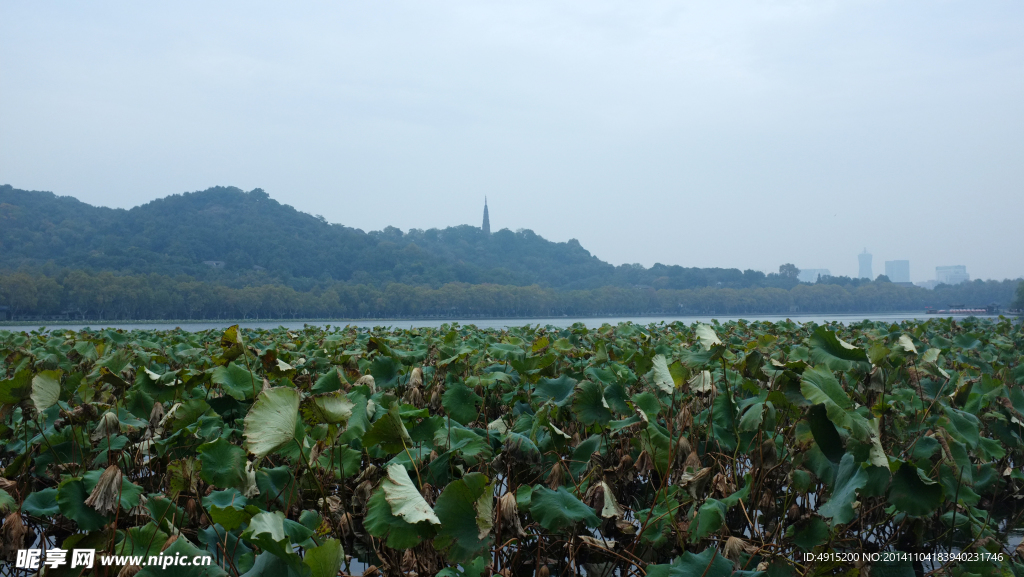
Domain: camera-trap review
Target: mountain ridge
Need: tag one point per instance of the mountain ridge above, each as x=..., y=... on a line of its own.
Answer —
x=256, y=236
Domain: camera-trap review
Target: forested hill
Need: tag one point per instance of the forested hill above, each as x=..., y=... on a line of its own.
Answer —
x=259, y=240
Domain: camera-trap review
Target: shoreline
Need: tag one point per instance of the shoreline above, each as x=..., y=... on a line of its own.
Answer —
x=178, y=323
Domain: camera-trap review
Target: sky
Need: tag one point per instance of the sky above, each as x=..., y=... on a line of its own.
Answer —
x=710, y=134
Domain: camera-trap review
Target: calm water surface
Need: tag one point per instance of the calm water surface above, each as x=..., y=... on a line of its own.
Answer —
x=561, y=322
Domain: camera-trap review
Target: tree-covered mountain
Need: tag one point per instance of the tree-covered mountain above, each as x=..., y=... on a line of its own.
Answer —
x=62, y=258
x=259, y=240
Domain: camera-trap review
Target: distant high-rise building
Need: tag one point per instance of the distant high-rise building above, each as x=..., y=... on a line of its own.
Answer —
x=487, y=219
x=955, y=274
x=898, y=270
x=812, y=274
x=865, y=264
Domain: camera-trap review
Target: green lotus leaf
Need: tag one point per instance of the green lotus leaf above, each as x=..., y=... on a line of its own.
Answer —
x=16, y=388
x=325, y=560
x=849, y=478
x=710, y=563
x=182, y=548
x=42, y=503
x=384, y=371
x=310, y=519
x=560, y=509
x=701, y=382
x=223, y=464
x=87, y=350
x=710, y=518
x=524, y=497
x=182, y=476
x=706, y=335
x=601, y=375
x=277, y=487
x=723, y=419
x=71, y=496
x=504, y=351
x=299, y=534
x=379, y=522
x=389, y=432
x=931, y=355
x=266, y=564
x=583, y=452
x=405, y=499
x=908, y=344
x=656, y=442
x=465, y=511
x=359, y=422
x=342, y=460
x=227, y=508
x=330, y=381
x=45, y=390
x=590, y=405
x=461, y=403
x=145, y=540
x=237, y=381
x=617, y=398
x=267, y=531
x=661, y=376
x=825, y=433
x=398, y=511
x=164, y=512
x=228, y=548
x=648, y=403
x=876, y=454
x=829, y=350
x=809, y=533
x=752, y=417
x=819, y=385
x=271, y=421
x=559, y=391
x=912, y=492
x=332, y=408
x=962, y=425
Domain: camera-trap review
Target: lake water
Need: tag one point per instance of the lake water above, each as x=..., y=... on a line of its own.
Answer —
x=561, y=322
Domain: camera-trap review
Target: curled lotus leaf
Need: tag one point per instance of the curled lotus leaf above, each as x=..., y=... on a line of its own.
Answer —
x=271, y=421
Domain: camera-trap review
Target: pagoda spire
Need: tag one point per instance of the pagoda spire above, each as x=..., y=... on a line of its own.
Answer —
x=487, y=220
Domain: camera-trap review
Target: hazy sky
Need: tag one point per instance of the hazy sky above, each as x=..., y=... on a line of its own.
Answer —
x=733, y=134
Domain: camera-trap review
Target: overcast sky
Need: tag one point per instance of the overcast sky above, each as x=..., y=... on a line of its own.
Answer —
x=732, y=134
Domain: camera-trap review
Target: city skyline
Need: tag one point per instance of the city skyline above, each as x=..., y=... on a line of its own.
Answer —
x=914, y=275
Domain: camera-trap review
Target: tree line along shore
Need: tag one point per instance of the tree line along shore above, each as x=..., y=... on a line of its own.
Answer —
x=79, y=294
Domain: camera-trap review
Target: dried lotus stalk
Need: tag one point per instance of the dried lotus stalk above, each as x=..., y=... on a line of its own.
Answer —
x=692, y=462
x=509, y=511
x=644, y=463
x=108, y=426
x=435, y=399
x=106, y=495
x=12, y=535
x=683, y=447
x=734, y=547
x=156, y=415
x=414, y=397
x=367, y=381
x=554, y=480
x=416, y=377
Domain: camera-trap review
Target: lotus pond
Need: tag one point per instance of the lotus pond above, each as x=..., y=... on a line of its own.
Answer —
x=664, y=450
